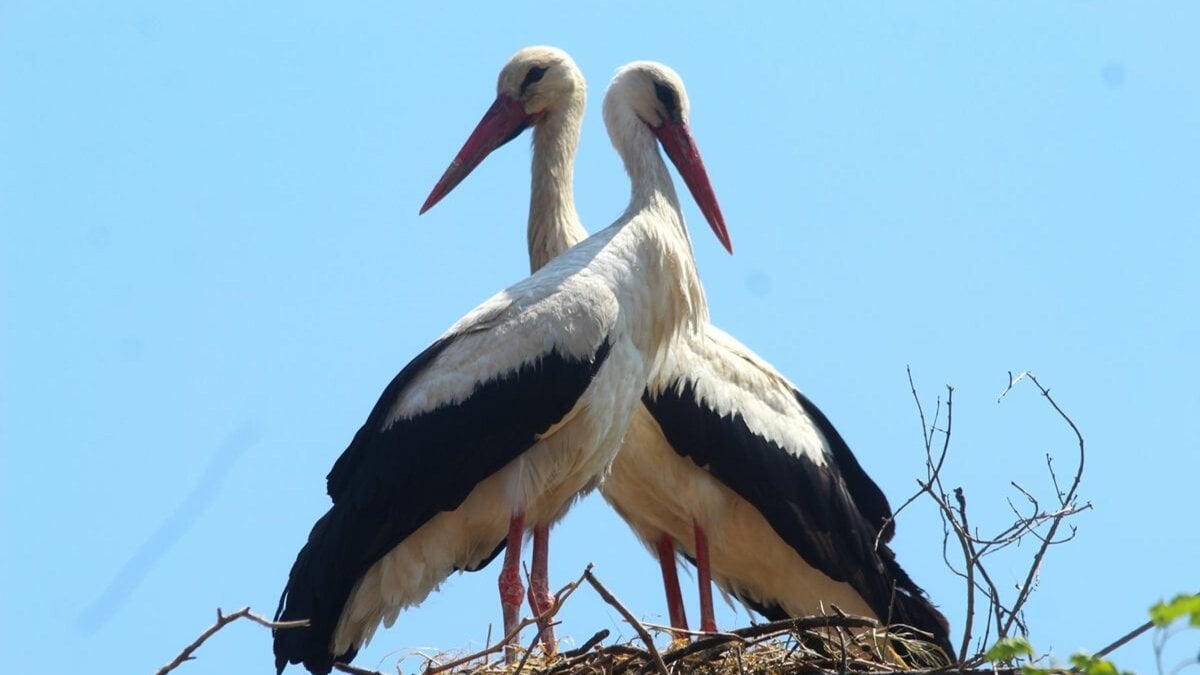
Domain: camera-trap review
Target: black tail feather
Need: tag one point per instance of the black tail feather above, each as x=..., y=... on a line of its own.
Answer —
x=318, y=588
x=911, y=607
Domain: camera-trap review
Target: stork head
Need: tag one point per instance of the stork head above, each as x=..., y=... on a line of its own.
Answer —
x=535, y=83
x=655, y=96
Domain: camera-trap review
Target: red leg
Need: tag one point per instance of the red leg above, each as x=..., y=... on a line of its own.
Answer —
x=540, y=597
x=707, y=624
x=666, y=559
x=512, y=591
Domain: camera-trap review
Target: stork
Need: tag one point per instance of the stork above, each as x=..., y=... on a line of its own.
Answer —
x=725, y=460
x=515, y=410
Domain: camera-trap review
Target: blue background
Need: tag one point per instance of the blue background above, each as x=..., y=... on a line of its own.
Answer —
x=211, y=264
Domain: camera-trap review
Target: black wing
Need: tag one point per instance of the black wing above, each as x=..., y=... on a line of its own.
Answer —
x=389, y=482
x=866, y=495
x=815, y=509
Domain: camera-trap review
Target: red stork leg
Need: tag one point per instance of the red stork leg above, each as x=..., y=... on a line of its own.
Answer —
x=540, y=597
x=704, y=572
x=666, y=559
x=512, y=591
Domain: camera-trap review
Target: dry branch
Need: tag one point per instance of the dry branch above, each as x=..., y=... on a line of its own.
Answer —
x=542, y=618
x=1005, y=613
x=222, y=621
x=655, y=657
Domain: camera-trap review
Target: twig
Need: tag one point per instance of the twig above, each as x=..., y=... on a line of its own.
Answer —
x=655, y=657
x=578, y=655
x=627, y=650
x=542, y=626
x=525, y=623
x=931, y=470
x=806, y=623
x=559, y=598
x=354, y=670
x=971, y=562
x=1124, y=639
x=1066, y=501
x=660, y=628
x=587, y=646
x=767, y=629
x=222, y=621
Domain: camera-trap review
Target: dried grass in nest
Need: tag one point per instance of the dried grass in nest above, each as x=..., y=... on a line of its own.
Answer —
x=822, y=644
x=819, y=644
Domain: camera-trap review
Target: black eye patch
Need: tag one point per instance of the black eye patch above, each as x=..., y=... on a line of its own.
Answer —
x=670, y=100
x=535, y=73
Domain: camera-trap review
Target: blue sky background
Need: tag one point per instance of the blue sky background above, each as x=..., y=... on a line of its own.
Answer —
x=211, y=264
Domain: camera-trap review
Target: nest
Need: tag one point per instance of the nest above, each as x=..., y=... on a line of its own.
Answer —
x=835, y=643
x=747, y=651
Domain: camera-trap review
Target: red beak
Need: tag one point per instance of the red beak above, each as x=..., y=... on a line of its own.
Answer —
x=677, y=140
x=502, y=122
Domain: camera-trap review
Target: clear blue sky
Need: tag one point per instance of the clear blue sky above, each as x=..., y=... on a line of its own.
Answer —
x=211, y=264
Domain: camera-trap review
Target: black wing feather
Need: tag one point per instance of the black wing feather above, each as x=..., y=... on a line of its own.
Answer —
x=867, y=496
x=389, y=482
x=812, y=508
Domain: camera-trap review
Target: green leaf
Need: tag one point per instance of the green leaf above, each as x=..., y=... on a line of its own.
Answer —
x=1008, y=649
x=1090, y=665
x=1034, y=670
x=1165, y=613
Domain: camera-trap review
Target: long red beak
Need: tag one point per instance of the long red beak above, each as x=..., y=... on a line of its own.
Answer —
x=677, y=140
x=502, y=122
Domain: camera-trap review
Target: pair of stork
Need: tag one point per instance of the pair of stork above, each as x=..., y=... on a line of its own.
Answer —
x=599, y=370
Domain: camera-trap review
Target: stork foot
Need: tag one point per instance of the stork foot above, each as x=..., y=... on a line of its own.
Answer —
x=512, y=594
x=541, y=600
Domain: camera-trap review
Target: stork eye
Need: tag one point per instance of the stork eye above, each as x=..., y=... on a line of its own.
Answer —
x=670, y=100
x=535, y=74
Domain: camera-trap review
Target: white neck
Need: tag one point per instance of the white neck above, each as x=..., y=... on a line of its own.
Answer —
x=651, y=182
x=554, y=224
x=654, y=210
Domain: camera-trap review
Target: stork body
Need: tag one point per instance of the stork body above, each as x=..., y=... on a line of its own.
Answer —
x=725, y=461
x=503, y=421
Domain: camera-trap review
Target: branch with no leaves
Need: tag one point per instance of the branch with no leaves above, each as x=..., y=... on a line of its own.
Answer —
x=655, y=657
x=543, y=618
x=1067, y=501
x=222, y=621
x=1004, y=614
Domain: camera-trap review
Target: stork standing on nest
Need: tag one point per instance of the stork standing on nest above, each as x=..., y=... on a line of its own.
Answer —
x=725, y=460
x=519, y=407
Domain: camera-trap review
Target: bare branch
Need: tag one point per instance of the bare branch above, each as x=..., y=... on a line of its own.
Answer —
x=544, y=618
x=1056, y=521
x=222, y=621
x=655, y=657
x=587, y=645
x=971, y=562
x=1124, y=639
x=1047, y=526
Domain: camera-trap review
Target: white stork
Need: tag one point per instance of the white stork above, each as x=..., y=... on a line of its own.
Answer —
x=726, y=459
x=519, y=407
